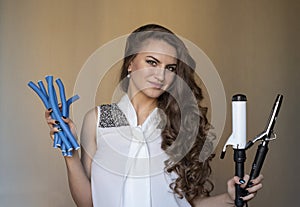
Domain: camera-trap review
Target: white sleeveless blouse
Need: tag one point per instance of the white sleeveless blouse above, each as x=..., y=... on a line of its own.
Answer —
x=128, y=166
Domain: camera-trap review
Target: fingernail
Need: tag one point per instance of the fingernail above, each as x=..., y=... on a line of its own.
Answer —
x=241, y=199
x=64, y=117
x=250, y=184
x=49, y=109
x=242, y=181
x=56, y=122
x=59, y=129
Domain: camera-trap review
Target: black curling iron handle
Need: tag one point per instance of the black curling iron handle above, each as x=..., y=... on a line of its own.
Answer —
x=258, y=162
x=239, y=158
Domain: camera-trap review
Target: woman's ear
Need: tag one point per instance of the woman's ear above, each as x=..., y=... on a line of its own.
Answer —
x=129, y=69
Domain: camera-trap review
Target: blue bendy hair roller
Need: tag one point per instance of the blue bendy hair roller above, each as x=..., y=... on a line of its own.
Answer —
x=57, y=141
x=43, y=89
x=63, y=139
x=40, y=93
x=69, y=102
x=56, y=112
x=62, y=97
x=69, y=140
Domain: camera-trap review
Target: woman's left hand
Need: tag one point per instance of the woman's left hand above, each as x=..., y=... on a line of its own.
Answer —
x=256, y=186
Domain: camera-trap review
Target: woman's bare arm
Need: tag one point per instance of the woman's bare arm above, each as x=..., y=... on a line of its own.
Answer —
x=78, y=170
x=227, y=199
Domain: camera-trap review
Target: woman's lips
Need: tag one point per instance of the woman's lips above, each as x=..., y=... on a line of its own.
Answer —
x=156, y=85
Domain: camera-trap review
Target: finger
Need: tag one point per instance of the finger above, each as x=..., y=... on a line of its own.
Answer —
x=71, y=125
x=52, y=122
x=231, y=183
x=255, y=188
x=53, y=131
x=231, y=187
x=246, y=178
x=238, y=180
x=68, y=121
x=249, y=197
x=60, y=106
x=48, y=113
x=257, y=180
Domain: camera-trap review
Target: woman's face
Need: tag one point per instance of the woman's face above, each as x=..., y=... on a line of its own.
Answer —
x=153, y=69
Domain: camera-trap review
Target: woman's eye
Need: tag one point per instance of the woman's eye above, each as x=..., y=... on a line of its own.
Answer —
x=171, y=68
x=151, y=62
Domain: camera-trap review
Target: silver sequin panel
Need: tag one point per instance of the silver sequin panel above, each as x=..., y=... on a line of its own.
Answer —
x=111, y=116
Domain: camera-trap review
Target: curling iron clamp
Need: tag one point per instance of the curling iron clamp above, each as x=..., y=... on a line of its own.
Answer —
x=268, y=134
x=238, y=142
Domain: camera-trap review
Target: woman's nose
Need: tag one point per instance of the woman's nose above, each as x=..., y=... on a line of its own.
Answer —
x=160, y=74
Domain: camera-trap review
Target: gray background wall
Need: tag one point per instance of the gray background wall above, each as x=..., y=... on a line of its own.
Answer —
x=253, y=44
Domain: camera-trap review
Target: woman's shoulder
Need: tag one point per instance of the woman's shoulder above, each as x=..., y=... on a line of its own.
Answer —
x=110, y=115
x=96, y=111
x=92, y=113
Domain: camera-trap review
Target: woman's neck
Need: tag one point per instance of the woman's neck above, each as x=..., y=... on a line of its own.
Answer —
x=143, y=106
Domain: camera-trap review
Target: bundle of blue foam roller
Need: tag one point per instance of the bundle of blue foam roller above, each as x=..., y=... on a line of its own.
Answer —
x=63, y=139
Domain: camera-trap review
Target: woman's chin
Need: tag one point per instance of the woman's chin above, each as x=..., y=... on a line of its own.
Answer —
x=153, y=92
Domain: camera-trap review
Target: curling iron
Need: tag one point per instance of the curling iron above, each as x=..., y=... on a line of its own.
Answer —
x=238, y=140
x=266, y=136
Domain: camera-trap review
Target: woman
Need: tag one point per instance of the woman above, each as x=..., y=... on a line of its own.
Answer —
x=147, y=149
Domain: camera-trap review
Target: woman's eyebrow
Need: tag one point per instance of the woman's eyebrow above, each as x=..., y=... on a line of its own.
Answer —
x=149, y=56
x=175, y=65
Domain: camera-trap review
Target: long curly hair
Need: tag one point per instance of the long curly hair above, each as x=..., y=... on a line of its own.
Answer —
x=186, y=125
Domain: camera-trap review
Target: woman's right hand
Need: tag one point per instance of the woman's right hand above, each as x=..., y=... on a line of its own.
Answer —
x=52, y=124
